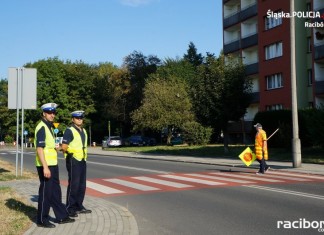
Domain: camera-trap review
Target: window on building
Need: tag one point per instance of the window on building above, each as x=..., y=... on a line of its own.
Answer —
x=274, y=107
x=309, y=44
x=271, y=22
x=273, y=50
x=274, y=81
x=310, y=77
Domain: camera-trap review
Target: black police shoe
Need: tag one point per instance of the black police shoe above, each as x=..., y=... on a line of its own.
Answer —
x=73, y=214
x=46, y=224
x=66, y=220
x=83, y=211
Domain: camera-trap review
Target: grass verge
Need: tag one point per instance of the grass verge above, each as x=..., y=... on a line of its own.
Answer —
x=16, y=214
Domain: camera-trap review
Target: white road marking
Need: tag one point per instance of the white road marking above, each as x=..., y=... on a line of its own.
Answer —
x=163, y=182
x=128, y=167
x=103, y=189
x=285, y=177
x=129, y=184
x=286, y=191
x=245, y=176
x=298, y=175
x=207, y=182
x=222, y=178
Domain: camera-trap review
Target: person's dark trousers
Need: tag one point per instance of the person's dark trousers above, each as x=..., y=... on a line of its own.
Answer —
x=50, y=195
x=263, y=165
x=77, y=184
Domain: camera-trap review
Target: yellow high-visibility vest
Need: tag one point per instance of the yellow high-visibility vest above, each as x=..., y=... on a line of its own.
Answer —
x=50, y=152
x=76, y=147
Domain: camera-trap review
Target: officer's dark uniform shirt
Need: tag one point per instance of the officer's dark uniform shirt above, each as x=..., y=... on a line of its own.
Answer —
x=68, y=135
x=41, y=134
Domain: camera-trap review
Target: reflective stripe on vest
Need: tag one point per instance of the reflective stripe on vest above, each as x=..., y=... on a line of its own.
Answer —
x=259, y=138
x=50, y=152
x=76, y=147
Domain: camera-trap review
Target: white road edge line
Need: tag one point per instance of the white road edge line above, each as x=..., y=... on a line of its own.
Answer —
x=286, y=191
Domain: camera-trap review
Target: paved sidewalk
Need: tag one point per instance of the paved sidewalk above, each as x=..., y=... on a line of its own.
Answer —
x=106, y=217
x=110, y=218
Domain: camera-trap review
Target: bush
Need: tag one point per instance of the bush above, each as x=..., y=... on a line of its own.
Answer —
x=314, y=126
x=194, y=133
x=8, y=139
x=310, y=125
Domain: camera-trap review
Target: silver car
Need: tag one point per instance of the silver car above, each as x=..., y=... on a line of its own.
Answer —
x=112, y=141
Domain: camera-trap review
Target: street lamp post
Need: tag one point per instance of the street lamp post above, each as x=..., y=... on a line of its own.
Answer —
x=294, y=107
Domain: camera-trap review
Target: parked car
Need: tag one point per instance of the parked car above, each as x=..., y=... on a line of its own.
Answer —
x=149, y=141
x=135, y=140
x=112, y=141
x=176, y=140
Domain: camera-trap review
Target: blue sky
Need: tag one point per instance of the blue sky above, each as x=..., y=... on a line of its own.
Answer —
x=97, y=31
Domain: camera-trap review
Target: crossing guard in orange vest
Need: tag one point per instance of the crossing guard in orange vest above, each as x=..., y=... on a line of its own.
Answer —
x=261, y=148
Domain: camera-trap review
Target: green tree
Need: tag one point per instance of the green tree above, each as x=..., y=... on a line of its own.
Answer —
x=7, y=117
x=221, y=93
x=51, y=87
x=139, y=68
x=68, y=84
x=177, y=68
x=193, y=56
x=112, y=88
x=166, y=104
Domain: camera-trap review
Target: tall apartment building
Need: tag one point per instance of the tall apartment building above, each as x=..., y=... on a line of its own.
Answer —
x=258, y=33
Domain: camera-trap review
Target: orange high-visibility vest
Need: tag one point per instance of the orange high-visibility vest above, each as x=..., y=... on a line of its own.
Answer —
x=260, y=137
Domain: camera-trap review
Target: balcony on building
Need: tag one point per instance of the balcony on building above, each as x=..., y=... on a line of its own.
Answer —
x=231, y=10
x=319, y=88
x=252, y=68
x=231, y=20
x=319, y=51
x=232, y=46
x=250, y=40
x=255, y=97
x=248, y=12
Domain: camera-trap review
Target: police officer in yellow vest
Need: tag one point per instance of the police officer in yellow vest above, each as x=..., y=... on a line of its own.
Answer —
x=50, y=194
x=74, y=146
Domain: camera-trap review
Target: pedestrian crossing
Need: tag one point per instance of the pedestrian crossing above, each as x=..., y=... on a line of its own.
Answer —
x=128, y=185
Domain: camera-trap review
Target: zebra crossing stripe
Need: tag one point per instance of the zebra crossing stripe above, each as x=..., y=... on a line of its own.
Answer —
x=268, y=174
x=162, y=182
x=222, y=178
x=207, y=182
x=101, y=188
x=246, y=176
x=132, y=185
x=298, y=175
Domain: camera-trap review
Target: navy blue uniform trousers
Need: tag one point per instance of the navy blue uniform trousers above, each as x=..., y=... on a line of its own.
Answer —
x=77, y=171
x=50, y=195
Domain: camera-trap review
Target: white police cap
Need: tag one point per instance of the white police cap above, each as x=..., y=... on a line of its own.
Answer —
x=49, y=107
x=78, y=113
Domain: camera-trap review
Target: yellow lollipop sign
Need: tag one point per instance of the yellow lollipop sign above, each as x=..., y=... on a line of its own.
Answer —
x=247, y=156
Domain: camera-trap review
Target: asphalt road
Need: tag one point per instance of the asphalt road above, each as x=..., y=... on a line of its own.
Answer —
x=228, y=208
